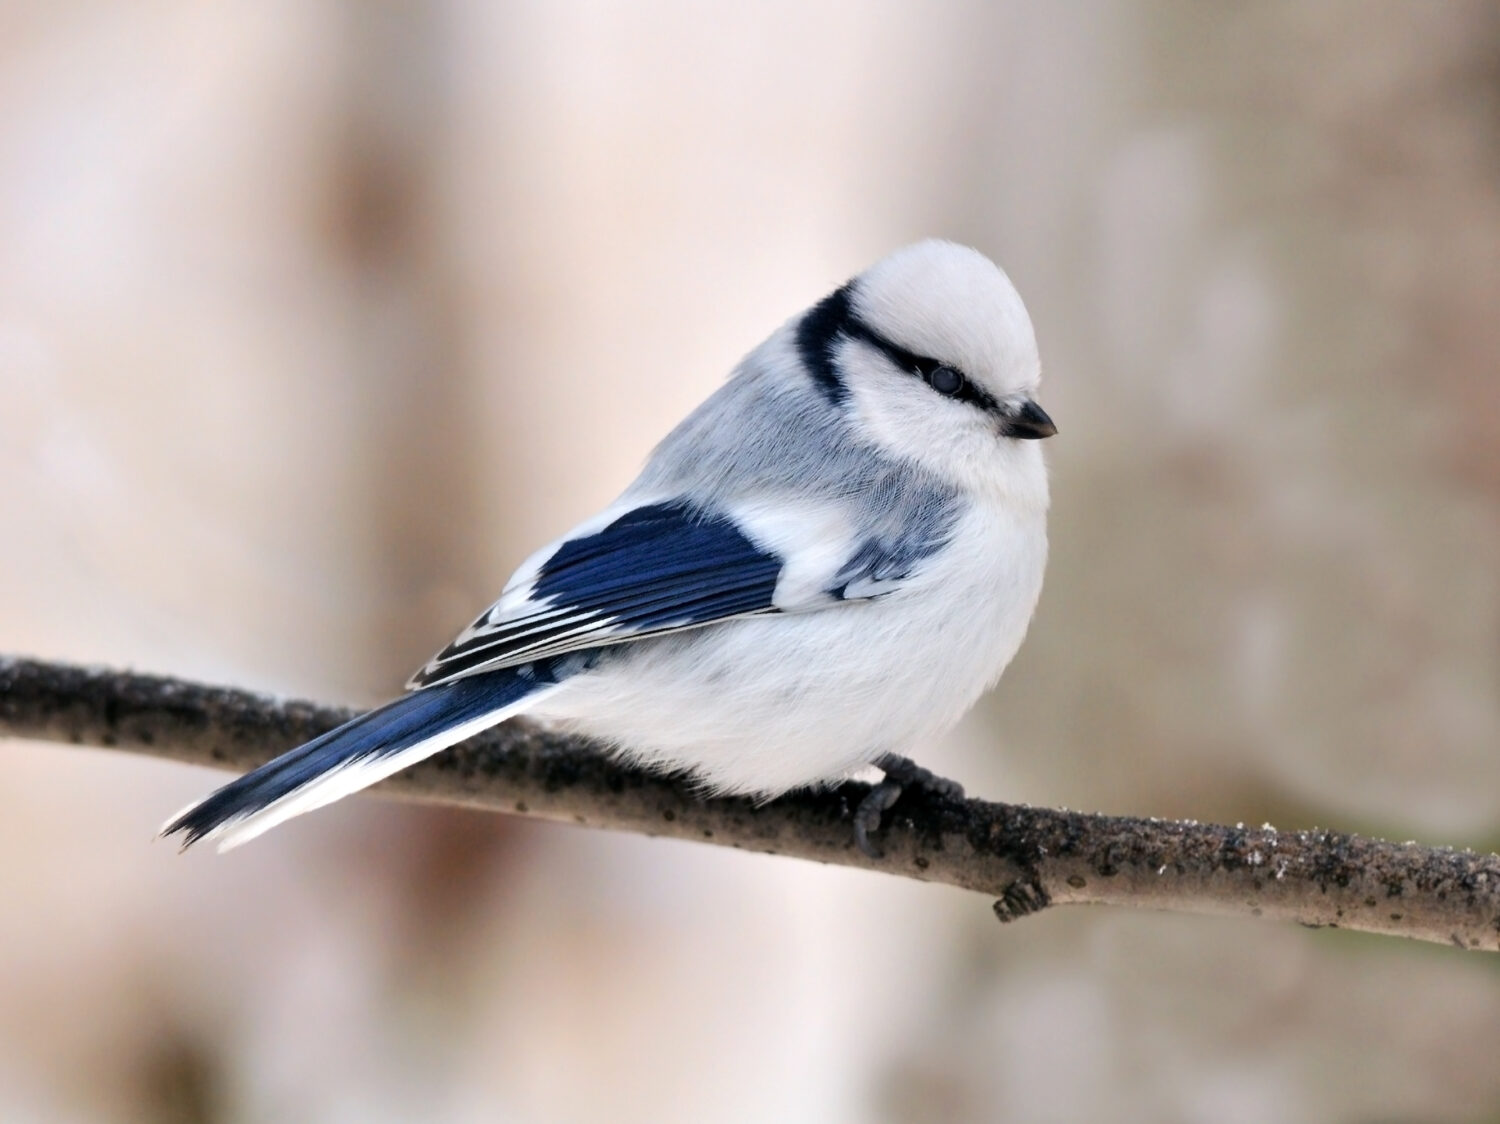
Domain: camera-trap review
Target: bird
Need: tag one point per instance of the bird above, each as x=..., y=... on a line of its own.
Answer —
x=822, y=566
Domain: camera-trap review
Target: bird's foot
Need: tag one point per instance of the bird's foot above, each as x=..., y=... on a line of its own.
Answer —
x=901, y=773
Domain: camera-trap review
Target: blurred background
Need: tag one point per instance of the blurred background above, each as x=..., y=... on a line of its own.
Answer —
x=317, y=317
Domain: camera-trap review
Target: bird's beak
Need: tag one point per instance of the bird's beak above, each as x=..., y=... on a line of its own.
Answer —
x=1028, y=422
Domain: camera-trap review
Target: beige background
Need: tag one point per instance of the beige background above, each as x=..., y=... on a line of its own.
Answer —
x=316, y=317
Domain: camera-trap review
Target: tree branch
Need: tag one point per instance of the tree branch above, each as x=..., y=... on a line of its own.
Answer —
x=1028, y=858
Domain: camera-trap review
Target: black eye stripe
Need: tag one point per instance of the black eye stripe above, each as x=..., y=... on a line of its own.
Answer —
x=834, y=319
x=924, y=368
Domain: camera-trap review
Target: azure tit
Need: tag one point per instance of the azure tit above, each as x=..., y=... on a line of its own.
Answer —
x=824, y=565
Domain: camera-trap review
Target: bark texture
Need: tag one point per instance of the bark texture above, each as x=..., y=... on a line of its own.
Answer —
x=1027, y=858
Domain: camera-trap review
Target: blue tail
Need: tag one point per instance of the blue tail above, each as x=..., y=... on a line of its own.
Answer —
x=357, y=754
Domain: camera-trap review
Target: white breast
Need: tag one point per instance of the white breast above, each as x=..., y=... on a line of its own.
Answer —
x=771, y=703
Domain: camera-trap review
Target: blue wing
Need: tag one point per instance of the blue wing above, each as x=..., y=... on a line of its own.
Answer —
x=880, y=566
x=657, y=568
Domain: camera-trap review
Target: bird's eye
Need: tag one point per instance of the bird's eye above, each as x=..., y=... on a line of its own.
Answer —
x=945, y=380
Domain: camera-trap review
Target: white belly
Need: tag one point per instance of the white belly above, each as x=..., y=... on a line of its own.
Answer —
x=767, y=704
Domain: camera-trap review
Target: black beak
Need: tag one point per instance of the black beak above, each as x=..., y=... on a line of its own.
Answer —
x=1028, y=423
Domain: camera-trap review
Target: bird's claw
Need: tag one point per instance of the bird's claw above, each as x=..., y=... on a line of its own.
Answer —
x=868, y=815
x=901, y=773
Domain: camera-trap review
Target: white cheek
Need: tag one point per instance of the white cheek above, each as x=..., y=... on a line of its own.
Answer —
x=951, y=439
x=905, y=418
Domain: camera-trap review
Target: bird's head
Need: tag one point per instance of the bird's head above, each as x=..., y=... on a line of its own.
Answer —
x=932, y=353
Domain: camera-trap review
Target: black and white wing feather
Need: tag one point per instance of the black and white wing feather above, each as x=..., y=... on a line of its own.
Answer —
x=652, y=568
x=655, y=568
